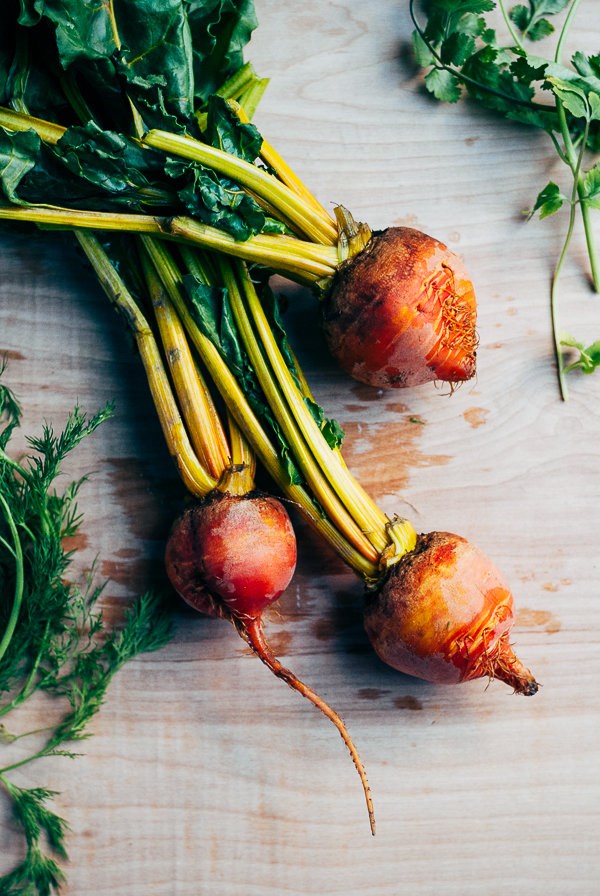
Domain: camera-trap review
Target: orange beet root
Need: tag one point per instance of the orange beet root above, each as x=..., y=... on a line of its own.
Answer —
x=402, y=312
x=232, y=551
x=233, y=555
x=444, y=614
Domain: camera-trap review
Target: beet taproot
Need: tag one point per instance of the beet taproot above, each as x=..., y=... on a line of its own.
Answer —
x=231, y=556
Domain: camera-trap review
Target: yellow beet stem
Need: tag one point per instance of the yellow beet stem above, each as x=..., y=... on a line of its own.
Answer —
x=241, y=450
x=252, y=96
x=306, y=260
x=281, y=252
x=272, y=158
x=19, y=121
x=365, y=512
x=238, y=82
x=318, y=228
x=300, y=449
x=193, y=474
x=250, y=425
x=190, y=390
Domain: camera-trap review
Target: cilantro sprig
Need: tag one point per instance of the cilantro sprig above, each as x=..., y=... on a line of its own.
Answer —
x=52, y=636
x=463, y=53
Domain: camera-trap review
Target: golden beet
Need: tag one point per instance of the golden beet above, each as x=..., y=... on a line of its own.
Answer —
x=444, y=614
x=402, y=312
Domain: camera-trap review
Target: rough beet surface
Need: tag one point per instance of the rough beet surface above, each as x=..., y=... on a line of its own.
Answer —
x=444, y=614
x=402, y=313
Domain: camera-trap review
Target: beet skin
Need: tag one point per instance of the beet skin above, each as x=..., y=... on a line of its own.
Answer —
x=402, y=312
x=444, y=614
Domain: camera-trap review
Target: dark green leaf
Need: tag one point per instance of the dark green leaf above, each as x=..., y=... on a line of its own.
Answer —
x=443, y=85
x=542, y=28
x=220, y=30
x=216, y=200
x=521, y=16
x=18, y=154
x=225, y=131
x=460, y=7
x=115, y=164
x=456, y=49
x=83, y=28
x=423, y=54
x=525, y=72
x=549, y=200
x=157, y=58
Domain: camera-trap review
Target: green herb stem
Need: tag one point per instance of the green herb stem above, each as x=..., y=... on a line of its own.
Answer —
x=513, y=34
x=571, y=158
x=19, y=579
x=554, y=292
x=565, y=31
x=28, y=688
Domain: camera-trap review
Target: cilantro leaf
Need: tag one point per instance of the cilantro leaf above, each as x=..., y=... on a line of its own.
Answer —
x=549, y=201
x=589, y=358
x=591, y=184
x=444, y=85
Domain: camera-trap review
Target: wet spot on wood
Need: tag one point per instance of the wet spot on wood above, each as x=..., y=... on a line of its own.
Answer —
x=495, y=345
x=354, y=408
x=407, y=221
x=75, y=542
x=9, y=355
x=512, y=311
x=527, y=618
x=280, y=642
x=454, y=237
x=137, y=575
x=471, y=140
x=407, y=702
x=371, y=694
x=550, y=586
x=475, y=416
x=149, y=501
x=397, y=407
x=382, y=456
x=367, y=393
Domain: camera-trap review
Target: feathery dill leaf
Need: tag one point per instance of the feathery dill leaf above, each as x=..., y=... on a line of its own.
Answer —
x=52, y=636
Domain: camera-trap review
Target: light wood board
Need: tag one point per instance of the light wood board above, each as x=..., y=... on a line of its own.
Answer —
x=206, y=776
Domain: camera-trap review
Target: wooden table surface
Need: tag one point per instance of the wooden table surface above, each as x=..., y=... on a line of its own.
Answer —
x=206, y=776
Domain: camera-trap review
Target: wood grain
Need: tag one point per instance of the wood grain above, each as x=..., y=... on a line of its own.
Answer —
x=205, y=775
